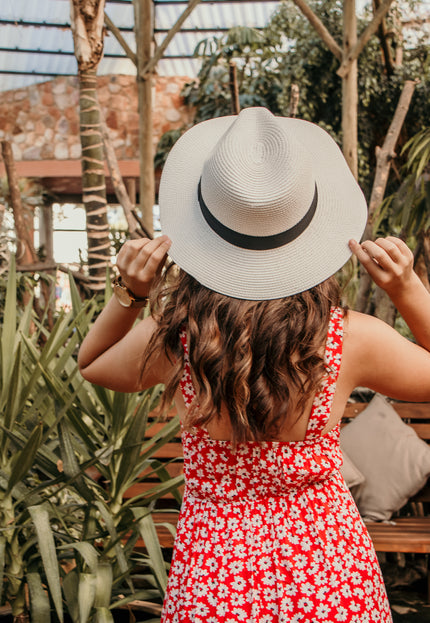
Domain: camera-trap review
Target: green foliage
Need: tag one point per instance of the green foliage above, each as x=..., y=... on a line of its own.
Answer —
x=69, y=451
x=407, y=211
x=289, y=51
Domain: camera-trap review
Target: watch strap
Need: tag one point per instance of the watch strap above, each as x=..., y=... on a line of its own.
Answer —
x=135, y=301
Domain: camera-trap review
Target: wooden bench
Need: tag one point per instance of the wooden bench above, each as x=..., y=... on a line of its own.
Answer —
x=408, y=534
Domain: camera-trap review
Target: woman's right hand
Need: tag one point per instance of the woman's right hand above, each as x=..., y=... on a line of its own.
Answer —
x=389, y=262
x=139, y=261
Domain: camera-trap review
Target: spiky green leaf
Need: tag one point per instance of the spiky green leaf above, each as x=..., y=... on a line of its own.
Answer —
x=45, y=538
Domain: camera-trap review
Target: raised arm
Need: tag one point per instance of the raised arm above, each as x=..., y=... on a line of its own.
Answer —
x=374, y=354
x=390, y=264
x=112, y=353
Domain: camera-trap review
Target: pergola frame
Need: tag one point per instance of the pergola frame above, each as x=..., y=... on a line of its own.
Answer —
x=146, y=58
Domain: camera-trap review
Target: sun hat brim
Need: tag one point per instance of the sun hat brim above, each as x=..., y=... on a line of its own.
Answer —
x=319, y=252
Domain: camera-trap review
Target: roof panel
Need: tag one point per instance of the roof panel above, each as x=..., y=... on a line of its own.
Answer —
x=53, y=46
x=47, y=45
x=40, y=11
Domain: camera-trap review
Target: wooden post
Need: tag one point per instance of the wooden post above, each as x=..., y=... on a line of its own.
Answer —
x=349, y=89
x=118, y=36
x=46, y=233
x=25, y=250
x=144, y=35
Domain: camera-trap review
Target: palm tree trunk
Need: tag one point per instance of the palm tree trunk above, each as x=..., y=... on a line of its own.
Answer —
x=93, y=180
x=87, y=23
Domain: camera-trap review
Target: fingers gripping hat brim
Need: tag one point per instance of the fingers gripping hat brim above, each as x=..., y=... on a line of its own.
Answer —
x=261, y=274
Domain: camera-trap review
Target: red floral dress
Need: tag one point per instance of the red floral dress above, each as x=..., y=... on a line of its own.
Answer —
x=270, y=533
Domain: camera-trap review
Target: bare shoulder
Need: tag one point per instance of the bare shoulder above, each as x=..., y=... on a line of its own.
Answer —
x=360, y=327
x=376, y=356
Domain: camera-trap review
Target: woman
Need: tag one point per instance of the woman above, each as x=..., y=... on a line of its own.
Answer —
x=259, y=212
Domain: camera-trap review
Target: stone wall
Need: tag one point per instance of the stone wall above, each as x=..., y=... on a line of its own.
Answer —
x=42, y=120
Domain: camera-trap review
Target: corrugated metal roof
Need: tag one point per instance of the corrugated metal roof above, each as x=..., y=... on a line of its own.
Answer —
x=36, y=42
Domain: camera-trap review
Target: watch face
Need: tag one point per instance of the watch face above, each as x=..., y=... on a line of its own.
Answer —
x=122, y=296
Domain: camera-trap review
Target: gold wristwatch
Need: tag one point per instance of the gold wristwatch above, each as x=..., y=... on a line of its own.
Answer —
x=125, y=296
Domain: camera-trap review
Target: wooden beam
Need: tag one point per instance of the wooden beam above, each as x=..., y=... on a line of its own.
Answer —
x=320, y=28
x=118, y=36
x=151, y=63
x=65, y=168
x=370, y=30
x=117, y=181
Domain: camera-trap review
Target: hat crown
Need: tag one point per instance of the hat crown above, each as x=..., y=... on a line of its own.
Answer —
x=257, y=180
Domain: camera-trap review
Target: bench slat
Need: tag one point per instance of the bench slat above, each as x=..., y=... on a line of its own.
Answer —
x=408, y=534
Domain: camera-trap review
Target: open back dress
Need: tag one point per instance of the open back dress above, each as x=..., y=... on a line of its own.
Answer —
x=269, y=532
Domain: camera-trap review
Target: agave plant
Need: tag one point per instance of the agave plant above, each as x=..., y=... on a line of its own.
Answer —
x=106, y=431
x=66, y=538
x=27, y=463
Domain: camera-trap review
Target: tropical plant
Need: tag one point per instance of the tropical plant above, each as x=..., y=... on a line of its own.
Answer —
x=287, y=52
x=27, y=461
x=408, y=210
x=67, y=539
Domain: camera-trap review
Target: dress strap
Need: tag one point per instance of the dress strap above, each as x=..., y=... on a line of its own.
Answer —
x=321, y=407
x=186, y=383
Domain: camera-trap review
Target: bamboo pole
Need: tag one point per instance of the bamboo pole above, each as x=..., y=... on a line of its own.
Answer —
x=349, y=89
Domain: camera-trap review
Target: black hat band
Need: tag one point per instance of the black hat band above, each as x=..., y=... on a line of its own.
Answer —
x=257, y=243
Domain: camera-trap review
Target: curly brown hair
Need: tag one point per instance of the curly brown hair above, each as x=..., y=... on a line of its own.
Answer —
x=263, y=360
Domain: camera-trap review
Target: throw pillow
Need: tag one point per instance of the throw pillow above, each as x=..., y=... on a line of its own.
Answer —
x=351, y=474
x=395, y=462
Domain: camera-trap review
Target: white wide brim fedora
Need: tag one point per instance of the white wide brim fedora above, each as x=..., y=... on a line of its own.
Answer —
x=259, y=207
